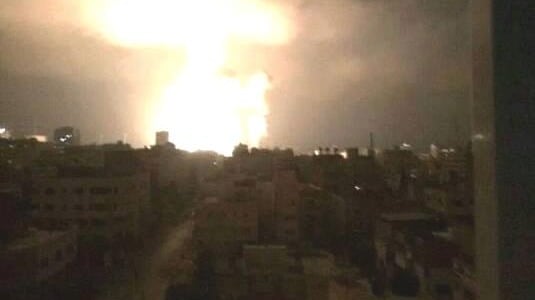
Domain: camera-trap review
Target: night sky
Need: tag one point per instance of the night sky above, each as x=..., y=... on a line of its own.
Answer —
x=400, y=69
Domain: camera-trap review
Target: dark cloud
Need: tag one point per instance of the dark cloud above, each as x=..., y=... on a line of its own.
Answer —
x=398, y=68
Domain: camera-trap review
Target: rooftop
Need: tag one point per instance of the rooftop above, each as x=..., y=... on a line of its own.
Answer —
x=33, y=238
x=406, y=216
x=264, y=247
x=211, y=200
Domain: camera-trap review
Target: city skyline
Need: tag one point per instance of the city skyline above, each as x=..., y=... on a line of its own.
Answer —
x=267, y=149
x=355, y=65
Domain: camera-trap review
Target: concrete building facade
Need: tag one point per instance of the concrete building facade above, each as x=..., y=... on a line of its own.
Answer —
x=105, y=206
x=36, y=257
x=287, y=205
x=504, y=164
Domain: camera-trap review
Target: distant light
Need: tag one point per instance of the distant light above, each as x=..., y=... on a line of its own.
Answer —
x=358, y=188
x=40, y=138
x=344, y=154
x=316, y=152
x=2, y=130
x=405, y=146
x=214, y=163
x=479, y=136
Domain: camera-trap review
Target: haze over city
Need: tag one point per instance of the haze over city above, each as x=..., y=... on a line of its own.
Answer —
x=215, y=73
x=267, y=149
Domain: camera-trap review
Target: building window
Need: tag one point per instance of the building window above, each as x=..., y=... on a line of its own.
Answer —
x=289, y=232
x=44, y=262
x=468, y=295
x=289, y=218
x=59, y=255
x=443, y=290
x=82, y=222
x=100, y=190
x=100, y=207
x=98, y=222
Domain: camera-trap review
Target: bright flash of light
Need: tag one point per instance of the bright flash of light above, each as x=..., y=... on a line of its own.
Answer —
x=226, y=113
x=201, y=108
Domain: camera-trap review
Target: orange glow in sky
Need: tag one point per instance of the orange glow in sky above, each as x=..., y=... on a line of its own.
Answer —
x=202, y=108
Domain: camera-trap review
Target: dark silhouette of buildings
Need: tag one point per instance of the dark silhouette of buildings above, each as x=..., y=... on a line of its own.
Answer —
x=162, y=138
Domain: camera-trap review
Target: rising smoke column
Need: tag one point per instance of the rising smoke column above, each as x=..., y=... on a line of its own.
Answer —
x=202, y=107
